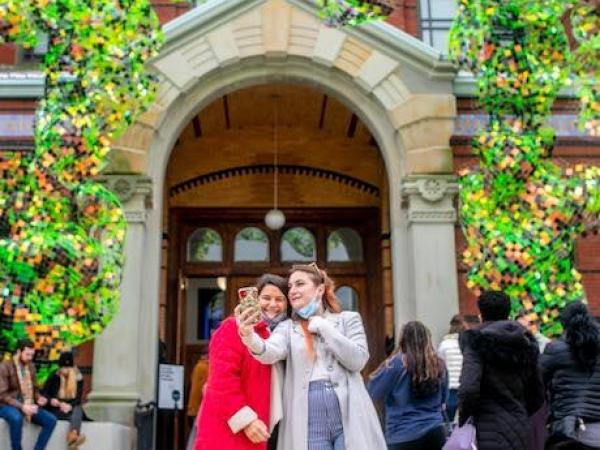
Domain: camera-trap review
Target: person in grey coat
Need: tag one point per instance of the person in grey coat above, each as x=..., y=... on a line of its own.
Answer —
x=326, y=404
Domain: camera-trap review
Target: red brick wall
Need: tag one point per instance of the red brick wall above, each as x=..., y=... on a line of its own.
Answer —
x=568, y=152
x=405, y=16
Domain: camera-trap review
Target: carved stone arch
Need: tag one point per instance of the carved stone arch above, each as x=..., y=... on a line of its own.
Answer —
x=397, y=85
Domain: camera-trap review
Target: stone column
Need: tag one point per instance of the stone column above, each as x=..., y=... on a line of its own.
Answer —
x=116, y=385
x=431, y=218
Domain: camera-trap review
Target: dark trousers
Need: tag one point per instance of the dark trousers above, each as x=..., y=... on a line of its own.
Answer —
x=564, y=443
x=15, y=418
x=272, y=442
x=76, y=419
x=75, y=416
x=433, y=440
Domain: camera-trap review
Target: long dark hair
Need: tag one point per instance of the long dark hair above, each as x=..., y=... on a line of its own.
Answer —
x=581, y=333
x=422, y=363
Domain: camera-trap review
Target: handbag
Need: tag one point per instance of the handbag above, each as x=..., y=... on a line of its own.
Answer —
x=462, y=438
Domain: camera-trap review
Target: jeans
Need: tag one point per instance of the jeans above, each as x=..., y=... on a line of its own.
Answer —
x=452, y=404
x=325, y=428
x=15, y=418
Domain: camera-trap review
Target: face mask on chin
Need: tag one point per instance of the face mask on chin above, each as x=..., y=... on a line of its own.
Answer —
x=310, y=309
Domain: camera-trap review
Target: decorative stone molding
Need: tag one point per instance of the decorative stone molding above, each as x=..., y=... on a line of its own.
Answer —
x=134, y=192
x=430, y=198
x=125, y=186
x=135, y=216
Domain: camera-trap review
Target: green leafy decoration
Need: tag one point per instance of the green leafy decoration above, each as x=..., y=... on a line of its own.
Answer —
x=61, y=232
x=520, y=212
x=337, y=13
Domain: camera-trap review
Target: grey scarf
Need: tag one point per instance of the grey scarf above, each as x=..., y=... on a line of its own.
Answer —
x=272, y=323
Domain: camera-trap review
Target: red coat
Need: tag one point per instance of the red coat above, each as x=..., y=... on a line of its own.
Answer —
x=235, y=380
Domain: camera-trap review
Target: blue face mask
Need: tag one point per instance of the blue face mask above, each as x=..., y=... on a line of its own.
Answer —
x=310, y=309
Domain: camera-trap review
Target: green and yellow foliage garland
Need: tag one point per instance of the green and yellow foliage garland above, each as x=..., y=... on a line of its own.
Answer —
x=520, y=212
x=61, y=232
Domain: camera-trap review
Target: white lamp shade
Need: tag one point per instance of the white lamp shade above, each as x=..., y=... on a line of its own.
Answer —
x=275, y=219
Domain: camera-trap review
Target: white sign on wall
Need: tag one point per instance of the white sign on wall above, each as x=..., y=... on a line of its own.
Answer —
x=170, y=386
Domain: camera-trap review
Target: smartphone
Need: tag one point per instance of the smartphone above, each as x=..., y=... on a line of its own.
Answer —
x=248, y=297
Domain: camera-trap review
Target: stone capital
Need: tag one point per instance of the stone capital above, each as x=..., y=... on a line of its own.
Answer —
x=430, y=198
x=134, y=192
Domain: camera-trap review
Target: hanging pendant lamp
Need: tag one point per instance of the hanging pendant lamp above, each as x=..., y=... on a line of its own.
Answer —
x=275, y=218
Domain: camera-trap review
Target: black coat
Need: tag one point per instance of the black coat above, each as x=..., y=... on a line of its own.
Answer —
x=50, y=391
x=501, y=384
x=573, y=390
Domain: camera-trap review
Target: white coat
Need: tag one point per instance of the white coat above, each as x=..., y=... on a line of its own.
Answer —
x=346, y=354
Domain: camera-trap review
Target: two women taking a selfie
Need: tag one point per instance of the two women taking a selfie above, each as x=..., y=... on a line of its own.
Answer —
x=322, y=403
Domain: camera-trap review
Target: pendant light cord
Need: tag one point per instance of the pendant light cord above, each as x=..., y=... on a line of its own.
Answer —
x=275, y=153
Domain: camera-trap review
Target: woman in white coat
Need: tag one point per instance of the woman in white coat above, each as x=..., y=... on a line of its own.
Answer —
x=326, y=404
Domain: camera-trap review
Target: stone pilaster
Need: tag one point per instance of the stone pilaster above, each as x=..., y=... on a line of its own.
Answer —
x=116, y=375
x=430, y=202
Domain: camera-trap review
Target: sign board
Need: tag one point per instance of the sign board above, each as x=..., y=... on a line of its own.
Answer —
x=170, y=386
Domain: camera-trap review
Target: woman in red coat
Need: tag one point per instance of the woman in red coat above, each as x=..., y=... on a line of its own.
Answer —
x=235, y=410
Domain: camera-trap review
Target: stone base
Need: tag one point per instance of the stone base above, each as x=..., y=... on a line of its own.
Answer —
x=99, y=436
x=117, y=408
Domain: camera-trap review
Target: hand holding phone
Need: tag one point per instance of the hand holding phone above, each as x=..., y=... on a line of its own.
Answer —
x=248, y=297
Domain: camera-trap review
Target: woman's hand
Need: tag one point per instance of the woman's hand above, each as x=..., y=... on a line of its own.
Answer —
x=315, y=323
x=66, y=408
x=257, y=432
x=246, y=320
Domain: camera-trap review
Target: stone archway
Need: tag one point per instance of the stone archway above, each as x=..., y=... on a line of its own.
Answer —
x=397, y=86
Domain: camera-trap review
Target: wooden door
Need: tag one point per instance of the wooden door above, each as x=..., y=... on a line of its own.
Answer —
x=361, y=275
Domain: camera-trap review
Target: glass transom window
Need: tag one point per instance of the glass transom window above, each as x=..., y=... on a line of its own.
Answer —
x=344, y=245
x=205, y=245
x=298, y=244
x=251, y=244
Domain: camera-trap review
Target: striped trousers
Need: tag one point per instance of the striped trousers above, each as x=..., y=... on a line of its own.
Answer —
x=325, y=428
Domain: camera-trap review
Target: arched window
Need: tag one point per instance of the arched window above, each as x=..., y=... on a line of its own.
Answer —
x=251, y=244
x=348, y=298
x=205, y=245
x=344, y=245
x=298, y=244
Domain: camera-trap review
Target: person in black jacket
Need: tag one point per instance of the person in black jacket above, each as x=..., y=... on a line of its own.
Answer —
x=501, y=385
x=571, y=370
x=64, y=390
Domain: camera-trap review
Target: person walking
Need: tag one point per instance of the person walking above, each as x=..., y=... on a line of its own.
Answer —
x=64, y=391
x=501, y=383
x=413, y=383
x=449, y=351
x=326, y=404
x=571, y=371
x=20, y=399
x=239, y=406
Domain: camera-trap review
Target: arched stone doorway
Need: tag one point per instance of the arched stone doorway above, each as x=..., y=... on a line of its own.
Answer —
x=395, y=85
x=219, y=185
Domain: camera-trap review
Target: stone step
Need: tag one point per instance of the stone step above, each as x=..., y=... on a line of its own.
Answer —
x=100, y=436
